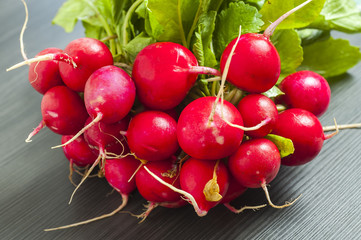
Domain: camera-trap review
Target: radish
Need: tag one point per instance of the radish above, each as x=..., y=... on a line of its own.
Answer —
x=80, y=58
x=255, y=65
x=255, y=164
x=151, y=189
x=154, y=191
x=63, y=112
x=102, y=136
x=208, y=138
x=78, y=153
x=207, y=181
x=307, y=90
x=306, y=133
x=89, y=55
x=256, y=108
x=152, y=136
x=164, y=72
x=117, y=173
x=45, y=75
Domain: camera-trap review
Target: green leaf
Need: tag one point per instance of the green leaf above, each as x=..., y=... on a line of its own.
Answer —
x=273, y=9
x=164, y=18
x=229, y=20
x=341, y=15
x=137, y=44
x=70, y=12
x=331, y=57
x=203, y=38
x=284, y=145
x=288, y=45
x=273, y=92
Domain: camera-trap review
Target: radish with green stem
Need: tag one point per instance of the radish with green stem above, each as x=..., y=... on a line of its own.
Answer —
x=164, y=72
x=306, y=133
x=255, y=63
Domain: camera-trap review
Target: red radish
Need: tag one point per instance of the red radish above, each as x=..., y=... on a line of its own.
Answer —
x=63, y=111
x=255, y=164
x=117, y=173
x=164, y=72
x=207, y=181
x=45, y=75
x=256, y=108
x=255, y=65
x=102, y=136
x=307, y=90
x=152, y=136
x=78, y=152
x=208, y=138
x=77, y=62
x=109, y=93
x=151, y=189
x=306, y=133
x=89, y=55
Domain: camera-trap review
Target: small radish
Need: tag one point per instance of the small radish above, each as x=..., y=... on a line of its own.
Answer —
x=117, y=172
x=152, y=136
x=207, y=181
x=45, y=75
x=208, y=138
x=256, y=164
x=89, y=55
x=306, y=133
x=164, y=72
x=78, y=153
x=307, y=90
x=255, y=65
x=151, y=189
x=80, y=58
x=101, y=136
x=256, y=108
x=62, y=110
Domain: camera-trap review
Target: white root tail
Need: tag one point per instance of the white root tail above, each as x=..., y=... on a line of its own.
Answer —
x=234, y=210
x=287, y=204
x=124, y=203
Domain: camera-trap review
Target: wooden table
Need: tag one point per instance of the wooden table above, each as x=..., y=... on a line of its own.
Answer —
x=35, y=190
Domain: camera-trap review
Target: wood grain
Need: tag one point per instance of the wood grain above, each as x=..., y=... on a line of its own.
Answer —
x=34, y=188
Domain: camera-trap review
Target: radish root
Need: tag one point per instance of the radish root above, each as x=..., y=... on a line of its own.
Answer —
x=234, y=210
x=22, y=48
x=287, y=204
x=35, y=131
x=124, y=203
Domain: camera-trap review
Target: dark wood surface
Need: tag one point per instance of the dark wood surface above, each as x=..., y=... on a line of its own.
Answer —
x=34, y=188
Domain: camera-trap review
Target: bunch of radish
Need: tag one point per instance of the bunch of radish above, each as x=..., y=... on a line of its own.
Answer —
x=143, y=131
